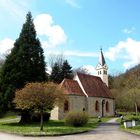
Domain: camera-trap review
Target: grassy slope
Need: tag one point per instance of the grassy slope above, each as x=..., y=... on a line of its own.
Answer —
x=135, y=130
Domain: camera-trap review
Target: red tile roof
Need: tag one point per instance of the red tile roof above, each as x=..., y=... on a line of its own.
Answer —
x=94, y=86
x=72, y=87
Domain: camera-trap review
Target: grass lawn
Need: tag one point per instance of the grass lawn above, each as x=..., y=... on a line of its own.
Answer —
x=51, y=128
x=136, y=129
x=8, y=116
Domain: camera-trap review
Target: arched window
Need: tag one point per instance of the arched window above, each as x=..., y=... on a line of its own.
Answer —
x=107, y=106
x=97, y=106
x=84, y=109
x=66, y=106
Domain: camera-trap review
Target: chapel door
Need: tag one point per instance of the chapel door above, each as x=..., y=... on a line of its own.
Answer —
x=103, y=103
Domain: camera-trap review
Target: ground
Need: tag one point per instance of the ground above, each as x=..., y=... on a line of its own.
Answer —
x=106, y=131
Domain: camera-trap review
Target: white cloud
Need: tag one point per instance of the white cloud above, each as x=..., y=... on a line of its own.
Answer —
x=128, y=51
x=129, y=30
x=73, y=3
x=6, y=45
x=15, y=8
x=90, y=69
x=49, y=70
x=53, y=33
x=77, y=53
x=82, y=54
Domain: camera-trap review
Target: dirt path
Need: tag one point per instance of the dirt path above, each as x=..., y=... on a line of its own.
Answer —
x=106, y=131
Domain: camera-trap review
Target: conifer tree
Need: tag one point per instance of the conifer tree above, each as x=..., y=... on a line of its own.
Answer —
x=56, y=73
x=60, y=72
x=66, y=70
x=24, y=64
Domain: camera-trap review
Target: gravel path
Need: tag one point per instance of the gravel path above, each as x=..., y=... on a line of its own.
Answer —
x=106, y=131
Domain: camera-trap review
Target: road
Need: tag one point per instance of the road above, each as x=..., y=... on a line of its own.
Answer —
x=106, y=131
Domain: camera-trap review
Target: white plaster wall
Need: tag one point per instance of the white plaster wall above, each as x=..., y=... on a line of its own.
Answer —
x=103, y=76
x=54, y=113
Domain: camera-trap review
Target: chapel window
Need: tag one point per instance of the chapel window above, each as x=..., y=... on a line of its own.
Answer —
x=66, y=106
x=97, y=106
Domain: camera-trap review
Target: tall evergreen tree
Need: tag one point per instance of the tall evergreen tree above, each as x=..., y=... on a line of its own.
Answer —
x=66, y=70
x=24, y=64
x=56, y=73
x=59, y=72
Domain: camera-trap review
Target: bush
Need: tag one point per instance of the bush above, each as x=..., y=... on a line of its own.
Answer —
x=76, y=119
x=132, y=117
x=35, y=117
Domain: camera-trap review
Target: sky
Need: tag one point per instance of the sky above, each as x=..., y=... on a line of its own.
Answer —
x=78, y=29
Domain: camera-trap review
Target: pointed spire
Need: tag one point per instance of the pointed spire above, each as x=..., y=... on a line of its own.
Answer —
x=102, y=59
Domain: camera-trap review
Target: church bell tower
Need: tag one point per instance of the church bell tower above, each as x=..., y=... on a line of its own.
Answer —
x=102, y=68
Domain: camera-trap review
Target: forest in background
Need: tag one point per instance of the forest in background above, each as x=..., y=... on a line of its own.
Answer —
x=126, y=89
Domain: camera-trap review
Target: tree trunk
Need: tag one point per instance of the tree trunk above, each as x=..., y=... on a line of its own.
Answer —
x=136, y=108
x=25, y=117
x=41, y=120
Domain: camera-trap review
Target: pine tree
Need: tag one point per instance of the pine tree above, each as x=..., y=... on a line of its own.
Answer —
x=66, y=70
x=56, y=73
x=59, y=72
x=24, y=64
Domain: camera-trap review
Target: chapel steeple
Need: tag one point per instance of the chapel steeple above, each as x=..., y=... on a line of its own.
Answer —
x=102, y=68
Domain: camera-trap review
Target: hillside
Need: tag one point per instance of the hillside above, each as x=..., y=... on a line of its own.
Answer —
x=126, y=89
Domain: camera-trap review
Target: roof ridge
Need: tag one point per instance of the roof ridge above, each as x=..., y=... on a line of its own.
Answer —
x=88, y=74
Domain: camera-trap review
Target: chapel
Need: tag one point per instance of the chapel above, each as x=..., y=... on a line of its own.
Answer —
x=87, y=93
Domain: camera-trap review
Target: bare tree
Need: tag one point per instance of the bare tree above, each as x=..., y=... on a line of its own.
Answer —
x=56, y=58
x=81, y=70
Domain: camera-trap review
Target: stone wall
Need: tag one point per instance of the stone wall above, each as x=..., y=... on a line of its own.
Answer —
x=78, y=103
x=91, y=107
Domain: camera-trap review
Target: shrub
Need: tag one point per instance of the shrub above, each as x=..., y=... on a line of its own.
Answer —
x=35, y=117
x=76, y=119
x=132, y=117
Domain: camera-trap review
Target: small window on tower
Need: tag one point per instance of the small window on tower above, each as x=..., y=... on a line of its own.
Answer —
x=104, y=72
x=100, y=72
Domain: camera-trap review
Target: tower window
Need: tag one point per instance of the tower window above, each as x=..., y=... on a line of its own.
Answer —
x=105, y=72
x=100, y=72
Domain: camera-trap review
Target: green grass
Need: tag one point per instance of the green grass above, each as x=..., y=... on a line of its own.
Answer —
x=105, y=119
x=129, y=116
x=9, y=115
x=134, y=130
x=52, y=127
